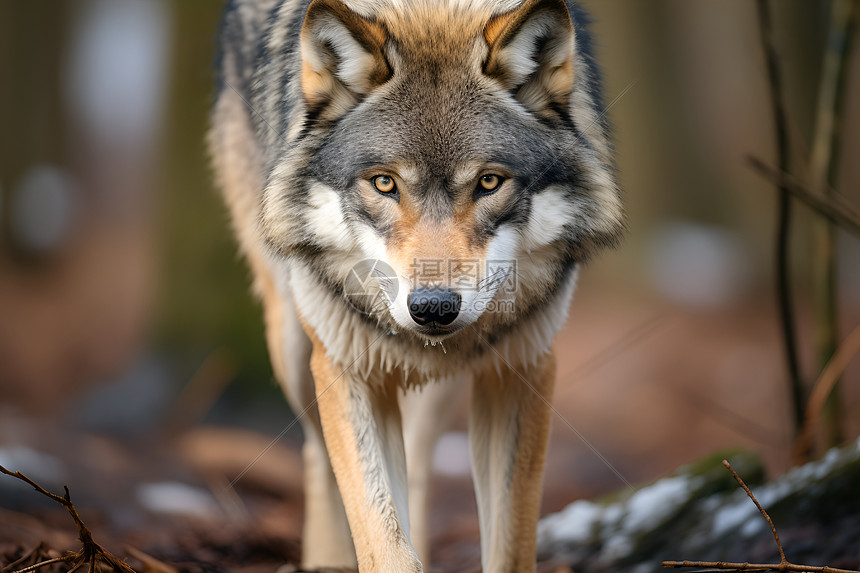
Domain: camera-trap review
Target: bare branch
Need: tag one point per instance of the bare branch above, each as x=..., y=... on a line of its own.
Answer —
x=831, y=207
x=35, y=552
x=724, y=566
x=90, y=551
x=823, y=387
x=767, y=518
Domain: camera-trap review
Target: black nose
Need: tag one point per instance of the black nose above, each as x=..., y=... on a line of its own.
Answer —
x=434, y=305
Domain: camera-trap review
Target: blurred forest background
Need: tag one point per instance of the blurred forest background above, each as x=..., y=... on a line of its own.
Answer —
x=125, y=316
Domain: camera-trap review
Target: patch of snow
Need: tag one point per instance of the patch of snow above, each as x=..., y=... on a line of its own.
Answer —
x=176, y=499
x=574, y=524
x=610, y=523
x=618, y=523
x=647, y=509
x=772, y=493
x=711, y=504
x=733, y=515
x=752, y=527
x=649, y=506
x=616, y=547
x=741, y=512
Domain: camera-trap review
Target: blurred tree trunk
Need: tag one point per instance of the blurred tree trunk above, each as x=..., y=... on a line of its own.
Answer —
x=824, y=164
x=32, y=123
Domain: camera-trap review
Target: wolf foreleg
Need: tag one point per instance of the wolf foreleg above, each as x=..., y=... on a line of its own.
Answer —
x=326, y=540
x=509, y=428
x=363, y=433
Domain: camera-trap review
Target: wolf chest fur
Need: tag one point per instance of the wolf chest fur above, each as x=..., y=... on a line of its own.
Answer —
x=414, y=184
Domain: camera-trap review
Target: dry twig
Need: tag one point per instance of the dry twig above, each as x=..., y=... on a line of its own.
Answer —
x=783, y=565
x=721, y=566
x=830, y=207
x=823, y=388
x=38, y=553
x=91, y=554
x=150, y=563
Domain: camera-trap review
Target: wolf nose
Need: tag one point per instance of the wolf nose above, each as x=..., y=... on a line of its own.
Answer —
x=434, y=305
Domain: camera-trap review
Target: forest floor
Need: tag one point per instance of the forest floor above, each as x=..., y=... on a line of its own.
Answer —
x=649, y=387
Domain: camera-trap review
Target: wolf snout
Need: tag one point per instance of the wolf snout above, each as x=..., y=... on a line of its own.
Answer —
x=434, y=305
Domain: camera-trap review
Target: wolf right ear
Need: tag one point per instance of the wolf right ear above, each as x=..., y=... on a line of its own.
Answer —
x=531, y=52
x=342, y=55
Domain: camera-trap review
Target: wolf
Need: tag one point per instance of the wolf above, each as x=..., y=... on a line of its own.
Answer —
x=414, y=185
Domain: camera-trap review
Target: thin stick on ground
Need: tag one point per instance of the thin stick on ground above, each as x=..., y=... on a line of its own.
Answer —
x=783, y=565
x=90, y=552
x=728, y=466
x=719, y=565
x=41, y=564
x=36, y=552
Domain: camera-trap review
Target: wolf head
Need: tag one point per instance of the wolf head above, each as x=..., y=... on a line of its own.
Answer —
x=459, y=142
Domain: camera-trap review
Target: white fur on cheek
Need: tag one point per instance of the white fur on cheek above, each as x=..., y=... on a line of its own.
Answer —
x=372, y=246
x=325, y=217
x=398, y=305
x=503, y=247
x=550, y=212
x=396, y=288
x=501, y=255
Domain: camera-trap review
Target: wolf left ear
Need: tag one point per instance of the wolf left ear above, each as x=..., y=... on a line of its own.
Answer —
x=531, y=52
x=342, y=55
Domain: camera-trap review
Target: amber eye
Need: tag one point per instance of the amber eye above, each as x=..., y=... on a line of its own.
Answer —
x=489, y=183
x=384, y=184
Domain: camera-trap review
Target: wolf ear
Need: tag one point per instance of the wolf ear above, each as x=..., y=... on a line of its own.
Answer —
x=531, y=52
x=342, y=55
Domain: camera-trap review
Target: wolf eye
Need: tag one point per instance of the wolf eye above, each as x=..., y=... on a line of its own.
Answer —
x=488, y=183
x=384, y=184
